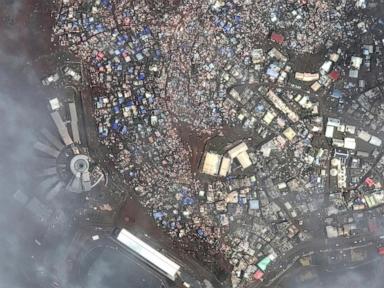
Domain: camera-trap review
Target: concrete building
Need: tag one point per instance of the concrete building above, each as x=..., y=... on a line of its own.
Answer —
x=225, y=166
x=244, y=159
x=289, y=133
x=240, y=153
x=63, y=130
x=375, y=141
x=211, y=163
x=280, y=105
x=74, y=123
x=349, y=143
x=54, y=104
x=331, y=231
x=235, y=151
x=307, y=77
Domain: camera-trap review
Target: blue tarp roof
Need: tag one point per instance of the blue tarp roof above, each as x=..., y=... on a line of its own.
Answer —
x=129, y=103
x=103, y=132
x=147, y=30
x=141, y=76
x=272, y=73
x=259, y=108
x=336, y=93
x=158, y=215
x=254, y=204
x=188, y=201
x=200, y=232
x=116, y=125
x=124, y=130
x=116, y=109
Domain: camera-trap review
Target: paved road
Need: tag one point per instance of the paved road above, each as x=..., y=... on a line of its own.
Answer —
x=282, y=265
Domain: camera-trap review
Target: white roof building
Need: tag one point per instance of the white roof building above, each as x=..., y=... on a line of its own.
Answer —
x=153, y=257
x=356, y=62
x=225, y=166
x=268, y=117
x=62, y=128
x=235, y=95
x=338, y=143
x=376, y=141
x=307, y=77
x=95, y=237
x=289, y=133
x=365, y=136
x=240, y=152
x=333, y=122
x=350, y=129
x=244, y=159
x=74, y=123
x=282, y=106
x=341, y=177
x=326, y=67
x=350, y=143
x=282, y=185
x=242, y=147
x=341, y=128
x=274, y=53
x=54, y=103
x=211, y=163
x=334, y=57
x=354, y=73
x=329, y=131
x=316, y=86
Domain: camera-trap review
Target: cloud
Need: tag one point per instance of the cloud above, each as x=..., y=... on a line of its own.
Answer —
x=368, y=275
x=22, y=113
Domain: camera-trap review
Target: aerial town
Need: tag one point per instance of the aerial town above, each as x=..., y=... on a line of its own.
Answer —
x=217, y=143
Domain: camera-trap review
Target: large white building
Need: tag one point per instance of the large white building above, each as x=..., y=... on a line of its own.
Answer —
x=240, y=153
x=155, y=259
x=211, y=163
